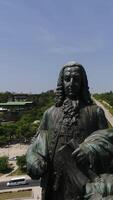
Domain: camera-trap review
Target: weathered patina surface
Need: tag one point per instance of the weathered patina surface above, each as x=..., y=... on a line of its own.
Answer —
x=63, y=128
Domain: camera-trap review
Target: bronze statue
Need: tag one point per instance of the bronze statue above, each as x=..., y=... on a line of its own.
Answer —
x=99, y=150
x=54, y=154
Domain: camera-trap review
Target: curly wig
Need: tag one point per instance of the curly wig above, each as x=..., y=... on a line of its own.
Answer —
x=84, y=92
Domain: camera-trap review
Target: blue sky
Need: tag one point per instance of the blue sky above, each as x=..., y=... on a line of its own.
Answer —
x=38, y=36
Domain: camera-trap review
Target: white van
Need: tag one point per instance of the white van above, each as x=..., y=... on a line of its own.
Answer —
x=17, y=181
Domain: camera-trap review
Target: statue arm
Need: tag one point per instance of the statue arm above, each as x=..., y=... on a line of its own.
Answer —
x=100, y=188
x=98, y=148
x=86, y=149
x=102, y=121
x=38, y=151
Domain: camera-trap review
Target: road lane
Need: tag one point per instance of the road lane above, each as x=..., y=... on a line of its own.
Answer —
x=108, y=115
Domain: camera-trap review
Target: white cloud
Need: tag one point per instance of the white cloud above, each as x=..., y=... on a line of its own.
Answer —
x=84, y=46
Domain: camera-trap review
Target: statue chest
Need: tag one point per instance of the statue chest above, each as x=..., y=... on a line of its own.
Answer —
x=62, y=130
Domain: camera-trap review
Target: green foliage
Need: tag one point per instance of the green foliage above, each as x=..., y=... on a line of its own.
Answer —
x=108, y=97
x=4, y=96
x=7, y=132
x=4, y=164
x=24, y=129
x=21, y=162
x=18, y=172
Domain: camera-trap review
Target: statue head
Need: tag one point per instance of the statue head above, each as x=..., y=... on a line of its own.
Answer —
x=72, y=84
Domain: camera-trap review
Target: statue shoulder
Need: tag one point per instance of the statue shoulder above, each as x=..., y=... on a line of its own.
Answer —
x=53, y=110
x=49, y=115
x=99, y=115
x=94, y=108
x=50, y=110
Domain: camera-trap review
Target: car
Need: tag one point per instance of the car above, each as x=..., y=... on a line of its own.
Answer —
x=12, y=158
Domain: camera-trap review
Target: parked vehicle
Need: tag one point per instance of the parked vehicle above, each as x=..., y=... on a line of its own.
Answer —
x=12, y=158
x=17, y=181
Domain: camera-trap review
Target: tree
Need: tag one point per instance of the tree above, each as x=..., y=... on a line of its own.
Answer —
x=4, y=164
x=21, y=162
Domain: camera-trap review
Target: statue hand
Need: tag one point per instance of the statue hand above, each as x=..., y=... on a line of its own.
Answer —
x=80, y=156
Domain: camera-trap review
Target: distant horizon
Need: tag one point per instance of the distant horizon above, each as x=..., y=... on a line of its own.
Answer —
x=14, y=92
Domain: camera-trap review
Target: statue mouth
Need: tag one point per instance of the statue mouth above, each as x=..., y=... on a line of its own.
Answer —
x=73, y=92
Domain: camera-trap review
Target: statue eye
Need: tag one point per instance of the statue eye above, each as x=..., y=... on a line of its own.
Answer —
x=67, y=78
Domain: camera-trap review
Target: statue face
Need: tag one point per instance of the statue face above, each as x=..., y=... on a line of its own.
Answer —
x=72, y=82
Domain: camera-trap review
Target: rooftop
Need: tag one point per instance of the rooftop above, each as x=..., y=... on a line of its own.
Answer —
x=16, y=103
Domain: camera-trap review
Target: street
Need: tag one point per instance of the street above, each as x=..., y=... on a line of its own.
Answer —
x=108, y=115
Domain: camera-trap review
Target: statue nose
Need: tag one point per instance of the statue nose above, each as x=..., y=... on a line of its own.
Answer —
x=71, y=81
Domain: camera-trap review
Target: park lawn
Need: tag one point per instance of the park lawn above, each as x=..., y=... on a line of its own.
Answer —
x=18, y=172
x=17, y=194
x=1, y=174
